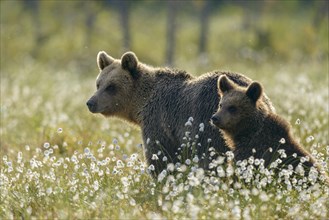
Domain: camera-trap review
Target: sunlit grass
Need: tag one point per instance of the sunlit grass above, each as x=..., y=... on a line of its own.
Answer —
x=60, y=161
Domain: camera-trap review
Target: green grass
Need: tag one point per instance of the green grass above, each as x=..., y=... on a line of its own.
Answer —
x=59, y=161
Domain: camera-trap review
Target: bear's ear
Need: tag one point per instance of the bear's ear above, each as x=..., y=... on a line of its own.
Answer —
x=129, y=62
x=103, y=60
x=224, y=84
x=254, y=91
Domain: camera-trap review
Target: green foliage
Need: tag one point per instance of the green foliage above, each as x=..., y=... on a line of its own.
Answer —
x=60, y=161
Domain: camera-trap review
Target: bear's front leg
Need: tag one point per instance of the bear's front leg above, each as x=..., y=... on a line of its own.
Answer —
x=158, y=154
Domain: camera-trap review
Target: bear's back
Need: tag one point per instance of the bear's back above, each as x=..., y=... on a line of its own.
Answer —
x=276, y=134
x=180, y=95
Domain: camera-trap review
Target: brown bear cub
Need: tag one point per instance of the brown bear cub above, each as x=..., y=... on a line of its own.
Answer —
x=160, y=101
x=249, y=129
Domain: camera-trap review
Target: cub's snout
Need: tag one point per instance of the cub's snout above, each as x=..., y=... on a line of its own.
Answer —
x=215, y=120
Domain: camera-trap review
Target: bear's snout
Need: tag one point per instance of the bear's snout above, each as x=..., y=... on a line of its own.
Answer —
x=215, y=120
x=92, y=105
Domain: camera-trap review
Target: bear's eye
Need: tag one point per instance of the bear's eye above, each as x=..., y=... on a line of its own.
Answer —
x=232, y=109
x=97, y=86
x=110, y=89
x=220, y=105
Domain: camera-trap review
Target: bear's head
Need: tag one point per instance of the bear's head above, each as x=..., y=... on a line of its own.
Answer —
x=237, y=106
x=115, y=85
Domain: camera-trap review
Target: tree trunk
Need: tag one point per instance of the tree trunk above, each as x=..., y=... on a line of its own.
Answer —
x=90, y=22
x=171, y=31
x=204, y=27
x=124, y=19
x=39, y=37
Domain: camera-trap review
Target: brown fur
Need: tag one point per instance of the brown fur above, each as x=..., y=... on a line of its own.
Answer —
x=160, y=101
x=246, y=124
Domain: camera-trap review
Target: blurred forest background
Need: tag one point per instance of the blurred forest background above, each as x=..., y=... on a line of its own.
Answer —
x=169, y=32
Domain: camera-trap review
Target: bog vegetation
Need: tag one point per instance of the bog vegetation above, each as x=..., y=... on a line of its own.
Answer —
x=60, y=161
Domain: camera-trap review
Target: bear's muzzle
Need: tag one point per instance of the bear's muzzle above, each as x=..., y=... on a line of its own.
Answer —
x=215, y=120
x=92, y=105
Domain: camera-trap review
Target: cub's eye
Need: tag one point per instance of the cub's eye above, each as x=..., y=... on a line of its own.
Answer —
x=220, y=105
x=97, y=86
x=110, y=89
x=232, y=109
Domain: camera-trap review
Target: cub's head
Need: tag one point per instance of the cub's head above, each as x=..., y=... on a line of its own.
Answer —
x=115, y=84
x=237, y=105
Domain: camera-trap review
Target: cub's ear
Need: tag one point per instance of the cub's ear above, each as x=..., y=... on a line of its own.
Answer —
x=104, y=60
x=254, y=91
x=129, y=62
x=224, y=84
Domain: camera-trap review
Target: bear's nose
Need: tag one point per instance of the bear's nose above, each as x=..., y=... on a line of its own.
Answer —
x=91, y=105
x=215, y=119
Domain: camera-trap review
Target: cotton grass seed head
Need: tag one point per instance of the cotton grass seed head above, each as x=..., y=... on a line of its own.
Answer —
x=154, y=157
x=298, y=121
x=46, y=145
x=282, y=141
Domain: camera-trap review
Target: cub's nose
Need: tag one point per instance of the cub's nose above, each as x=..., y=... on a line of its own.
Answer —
x=92, y=105
x=215, y=119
